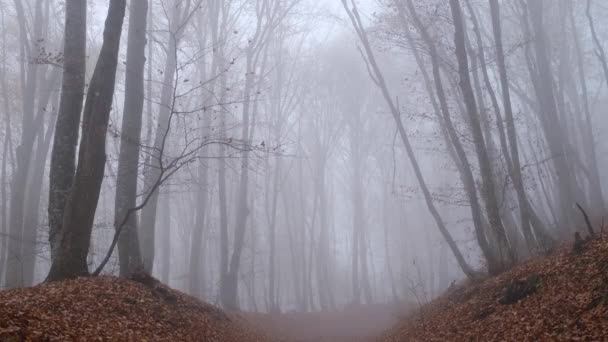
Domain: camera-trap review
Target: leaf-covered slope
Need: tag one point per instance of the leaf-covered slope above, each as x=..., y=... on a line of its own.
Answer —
x=568, y=301
x=113, y=309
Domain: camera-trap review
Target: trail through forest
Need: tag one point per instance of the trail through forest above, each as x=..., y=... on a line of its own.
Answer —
x=254, y=170
x=559, y=297
x=356, y=323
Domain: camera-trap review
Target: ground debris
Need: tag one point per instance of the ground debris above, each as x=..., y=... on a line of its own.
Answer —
x=114, y=309
x=519, y=289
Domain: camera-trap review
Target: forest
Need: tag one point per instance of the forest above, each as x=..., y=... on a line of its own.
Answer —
x=294, y=156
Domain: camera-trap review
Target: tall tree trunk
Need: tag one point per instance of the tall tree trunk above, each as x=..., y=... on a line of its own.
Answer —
x=128, y=160
x=63, y=154
x=197, y=248
x=277, y=108
x=165, y=230
x=298, y=267
x=79, y=213
x=462, y=161
x=551, y=123
x=488, y=84
x=6, y=156
x=14, y=267
x=366, y=282
x=596, y=186
x=599, y=48
x=165, y=112
x=272, y=230
x=230, y=290
x=218, y=11
x=528, y=216
x=386, y=222
x=505, y=254
x=378, y=78
x=34, y=186
x=257, y=45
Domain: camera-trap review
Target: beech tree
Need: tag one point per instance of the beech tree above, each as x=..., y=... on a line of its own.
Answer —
x=81, y=204
x=63, y=154
x=128, y=160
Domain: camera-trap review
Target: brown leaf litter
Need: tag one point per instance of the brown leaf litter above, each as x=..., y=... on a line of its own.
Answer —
x=562, y=297
x=114, y=309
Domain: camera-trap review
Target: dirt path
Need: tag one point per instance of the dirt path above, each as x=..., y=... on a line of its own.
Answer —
x=357, y=324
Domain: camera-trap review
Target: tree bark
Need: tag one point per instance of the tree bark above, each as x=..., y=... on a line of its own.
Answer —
x=230, y=291
x=128, y=159
x=600, y=52
x=63, y=154
x=79, y=213
x=378, y=78
x=528, y=216
x=6, y=155
x=596, y=186
x=549, y=118
x=505, y=254
x=34, y=187
x=14, y=267
x=154, y=167
x=197, y=248
x=165, y=228
x=464, y=166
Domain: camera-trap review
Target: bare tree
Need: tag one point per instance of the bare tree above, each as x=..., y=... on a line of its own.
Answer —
x=460, y=157
x=505, y=254
x=527, y=213
x=378, y=78
x=30, y=78
x=181, y=14
x=63, y=154
x=128, y=160
x=551, y=123
x=79, y=212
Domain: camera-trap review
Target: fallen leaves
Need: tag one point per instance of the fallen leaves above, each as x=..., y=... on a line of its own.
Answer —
x=562, y=297
x=114, y=309
x=569, y=303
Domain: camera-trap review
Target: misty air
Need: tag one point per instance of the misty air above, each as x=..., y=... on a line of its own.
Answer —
x=303, y=170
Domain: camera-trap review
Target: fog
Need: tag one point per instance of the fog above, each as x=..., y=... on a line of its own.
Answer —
x=298, y=155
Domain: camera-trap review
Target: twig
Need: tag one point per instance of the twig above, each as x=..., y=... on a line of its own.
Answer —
x=589, y=227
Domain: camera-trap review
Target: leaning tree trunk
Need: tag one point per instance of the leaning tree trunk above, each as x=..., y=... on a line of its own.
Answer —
x=464, y=166
x=376, y=73
x=79, y=213
x=128, y=160
x=552, y=126
x=505, y=254
x=527, y=214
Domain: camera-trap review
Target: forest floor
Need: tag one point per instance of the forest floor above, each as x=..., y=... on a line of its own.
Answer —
x=114, y=309
x=560, y=297
x=360, y=323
